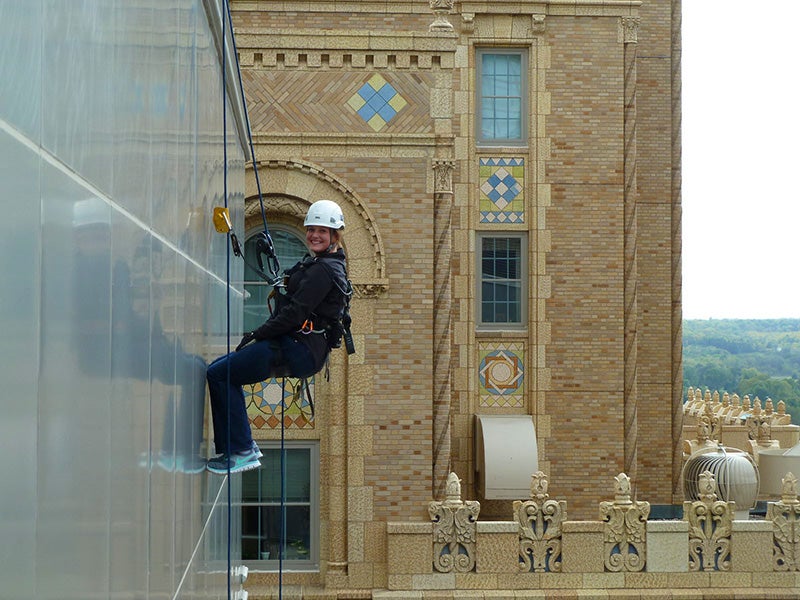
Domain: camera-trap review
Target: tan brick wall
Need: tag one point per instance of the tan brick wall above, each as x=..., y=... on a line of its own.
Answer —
x=378, y=440
x=659, y=239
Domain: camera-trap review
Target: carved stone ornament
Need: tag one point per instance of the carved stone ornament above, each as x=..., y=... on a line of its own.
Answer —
x=441, y=8
x=369, y=290
x=630, y=29
x=539, y=485
x=710, y=521
x=759, y=427
x=539, y=521
x=712, y=421
x=785, y=517
x=537, y=23
x=454, y=528
x=467, y=22
x=624, y=534
x=443, y=176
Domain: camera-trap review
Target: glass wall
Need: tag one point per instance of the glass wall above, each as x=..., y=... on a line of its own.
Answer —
x=116, y=142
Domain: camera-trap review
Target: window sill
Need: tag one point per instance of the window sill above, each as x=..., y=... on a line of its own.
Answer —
x=515, y=333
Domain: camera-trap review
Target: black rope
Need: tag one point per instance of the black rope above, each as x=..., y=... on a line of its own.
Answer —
x=282, y=548
x=264, y=243
x=227, y=306
x=264, y=247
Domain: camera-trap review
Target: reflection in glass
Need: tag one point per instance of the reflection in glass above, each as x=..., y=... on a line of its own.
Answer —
x=113, y=147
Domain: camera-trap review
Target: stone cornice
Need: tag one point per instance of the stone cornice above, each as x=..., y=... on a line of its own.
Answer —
x=248, y=38
x=354, y=144
x=515, y=7
x=363, y=6
x=608, y=8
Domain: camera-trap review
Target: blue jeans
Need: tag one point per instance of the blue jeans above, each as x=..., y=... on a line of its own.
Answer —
x=253, y=363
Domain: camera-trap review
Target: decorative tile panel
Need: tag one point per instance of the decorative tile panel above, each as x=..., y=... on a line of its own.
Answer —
x=319, y=101
x=377, y=102
x=502, y=190
x=501, y=373
x=263, y=401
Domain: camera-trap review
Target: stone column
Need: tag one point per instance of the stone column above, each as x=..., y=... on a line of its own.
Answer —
x=442, y=306
x=336, y=473
x=630, y=27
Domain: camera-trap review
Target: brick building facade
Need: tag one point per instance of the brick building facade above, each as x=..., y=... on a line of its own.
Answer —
x=386, y=108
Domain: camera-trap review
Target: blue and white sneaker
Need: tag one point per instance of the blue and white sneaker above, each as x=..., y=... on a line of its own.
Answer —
x=238, y=462
x=257, y=450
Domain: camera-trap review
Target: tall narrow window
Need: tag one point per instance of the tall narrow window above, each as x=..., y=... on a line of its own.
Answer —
x=502, y=97
x=261, y=507
x=502, y=288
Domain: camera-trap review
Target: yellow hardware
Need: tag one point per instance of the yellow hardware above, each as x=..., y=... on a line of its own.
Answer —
x=222, y=219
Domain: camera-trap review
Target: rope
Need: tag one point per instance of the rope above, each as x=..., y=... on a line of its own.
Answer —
x=264, y=245
x=265, y=241
x=227, y=306
x=282, y=548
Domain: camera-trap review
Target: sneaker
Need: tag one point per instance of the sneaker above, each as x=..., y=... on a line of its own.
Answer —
x=257, y=450
x=240, y=461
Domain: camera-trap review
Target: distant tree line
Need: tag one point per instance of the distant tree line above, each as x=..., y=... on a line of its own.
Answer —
x=754, y=357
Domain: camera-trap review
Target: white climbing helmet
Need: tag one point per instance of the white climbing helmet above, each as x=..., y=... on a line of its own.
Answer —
x=325, y=213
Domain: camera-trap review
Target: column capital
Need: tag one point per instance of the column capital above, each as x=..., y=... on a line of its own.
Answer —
x=629, y=29
x=443, y=175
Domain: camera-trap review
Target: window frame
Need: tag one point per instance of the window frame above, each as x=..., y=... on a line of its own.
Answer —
x=524, y=279
x=480, y=140
x=305, y=565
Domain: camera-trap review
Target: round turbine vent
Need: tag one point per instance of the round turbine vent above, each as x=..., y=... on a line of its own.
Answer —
x=735, y=472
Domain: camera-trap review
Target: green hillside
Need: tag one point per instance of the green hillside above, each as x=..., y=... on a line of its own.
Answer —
x=756, y=357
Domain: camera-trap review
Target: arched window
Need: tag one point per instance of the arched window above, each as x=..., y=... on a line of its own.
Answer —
x=290, y=247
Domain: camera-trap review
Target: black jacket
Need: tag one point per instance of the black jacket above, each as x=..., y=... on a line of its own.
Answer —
x=316, y=291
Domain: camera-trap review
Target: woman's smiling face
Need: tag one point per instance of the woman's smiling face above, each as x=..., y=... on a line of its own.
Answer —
x=318, y=239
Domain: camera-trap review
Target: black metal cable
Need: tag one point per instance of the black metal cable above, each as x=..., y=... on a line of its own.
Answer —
x=264, y=245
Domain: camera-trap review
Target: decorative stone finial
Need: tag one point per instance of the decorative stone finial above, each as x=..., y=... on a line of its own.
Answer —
x=539, y=485
x=710, y=522
x=785, y=517
x=622, y=489
x=789, y=489
x=452, y=490
x=707, y=486
x=624, y=531
x=539, y=521
x=454, y=529
x=441, y=8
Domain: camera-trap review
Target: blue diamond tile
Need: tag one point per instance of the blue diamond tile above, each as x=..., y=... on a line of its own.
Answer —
x=387, y=113
x=377, y=94
x=387, y=92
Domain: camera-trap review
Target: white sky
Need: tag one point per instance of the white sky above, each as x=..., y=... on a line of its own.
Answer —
x=741, y=130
